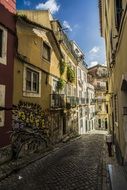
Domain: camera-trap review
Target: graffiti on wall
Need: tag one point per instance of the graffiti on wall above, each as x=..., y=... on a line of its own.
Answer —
x=33, y=128
x=30, y=129
x=27, y=114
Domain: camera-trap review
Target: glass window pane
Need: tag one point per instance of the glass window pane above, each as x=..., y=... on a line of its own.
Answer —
x=35, y=82
x=28, y=79
x=46, y=51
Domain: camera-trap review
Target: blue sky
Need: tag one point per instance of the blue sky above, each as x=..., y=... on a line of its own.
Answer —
x=81, y=17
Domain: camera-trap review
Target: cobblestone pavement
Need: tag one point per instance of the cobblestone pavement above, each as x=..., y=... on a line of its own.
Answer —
x=75, y=166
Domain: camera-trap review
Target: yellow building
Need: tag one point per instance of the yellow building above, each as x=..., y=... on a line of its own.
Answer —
x=45, y=71
x=36, y=70
x=113, y=23
x=37, y=62
x=70, y=90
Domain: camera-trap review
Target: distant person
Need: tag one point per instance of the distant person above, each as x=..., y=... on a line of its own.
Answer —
x=109, y=143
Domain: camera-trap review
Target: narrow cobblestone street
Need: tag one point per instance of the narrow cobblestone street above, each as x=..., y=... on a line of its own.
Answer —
x=77, y=165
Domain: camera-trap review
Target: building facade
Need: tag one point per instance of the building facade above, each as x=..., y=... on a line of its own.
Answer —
x=49, y=78
x=81, y=90
x=70, y=77
x=98, y=78
x=113, y=24
x=37, y=73
x=91, y=118
x=7, y=51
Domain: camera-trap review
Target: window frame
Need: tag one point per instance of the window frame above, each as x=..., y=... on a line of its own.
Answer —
x=49, y=48
x=32, y=92
x=54, y=85
x=32, y=73
x=118, y=13
x=3, y=57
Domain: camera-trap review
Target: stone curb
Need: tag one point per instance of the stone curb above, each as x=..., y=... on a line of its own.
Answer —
x=13, y=166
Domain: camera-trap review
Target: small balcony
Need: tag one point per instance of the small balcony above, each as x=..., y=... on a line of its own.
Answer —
x=100, y=88
x=100, y=100
x=71, y=102
x=57, y=101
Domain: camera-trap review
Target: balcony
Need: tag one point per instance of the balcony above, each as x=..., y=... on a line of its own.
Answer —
x=71, y=101
x=62, y=101
x=57, y=101
x=102, y=75
x=100, y=100
x=100, y=88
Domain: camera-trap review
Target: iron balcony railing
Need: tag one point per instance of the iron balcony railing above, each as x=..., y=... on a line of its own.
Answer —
x=71, y=101
x=57, y=100
x=101, y=100
x=100, y=88
x=63, y=101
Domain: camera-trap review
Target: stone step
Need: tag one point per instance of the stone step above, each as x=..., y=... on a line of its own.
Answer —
x=118, y=177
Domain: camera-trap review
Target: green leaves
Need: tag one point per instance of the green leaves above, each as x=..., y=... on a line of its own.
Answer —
x=60, y=84
x=70, y=74
x=62, y=67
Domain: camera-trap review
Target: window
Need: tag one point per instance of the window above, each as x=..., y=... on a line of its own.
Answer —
x=54, y=87
x=99, y=123
x=46, y=51
x=32, y=82
x=81, y=112
x=118, y=12
x=116, y=108
x=106, y=16
x=3, y=45
x=99, y=108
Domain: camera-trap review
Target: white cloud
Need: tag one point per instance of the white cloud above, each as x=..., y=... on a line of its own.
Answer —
x=49, y=5
x=27, y=3
x=67, y=25
x=93, y=63
x=105, y=63
x=96, y=55
x=76, y=26
x=94, y=50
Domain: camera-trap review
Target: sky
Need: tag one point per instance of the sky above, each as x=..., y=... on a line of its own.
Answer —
x=81, y=18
